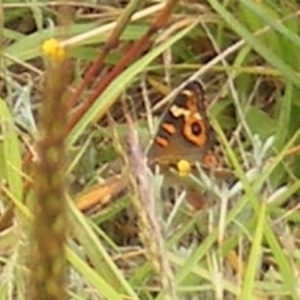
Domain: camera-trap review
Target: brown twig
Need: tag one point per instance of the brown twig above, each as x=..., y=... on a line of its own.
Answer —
x=135, y=51
x=111, y=43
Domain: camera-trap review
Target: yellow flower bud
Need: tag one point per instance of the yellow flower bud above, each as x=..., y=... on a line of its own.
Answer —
x=53, y=49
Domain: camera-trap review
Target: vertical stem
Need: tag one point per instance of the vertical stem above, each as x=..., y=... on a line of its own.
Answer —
x=47, y=257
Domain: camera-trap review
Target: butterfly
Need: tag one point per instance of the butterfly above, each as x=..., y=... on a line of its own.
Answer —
x=184, y=132
x=184, y=135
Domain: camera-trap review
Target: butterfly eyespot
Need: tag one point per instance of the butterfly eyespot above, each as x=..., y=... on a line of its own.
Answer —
x=195, y=131
x=196, y=128
x=210, y=160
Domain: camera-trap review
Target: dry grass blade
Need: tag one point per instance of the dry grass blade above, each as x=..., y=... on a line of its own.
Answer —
x=101, y=194
x=144, y=202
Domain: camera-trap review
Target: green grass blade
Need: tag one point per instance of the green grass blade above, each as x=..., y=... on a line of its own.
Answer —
x=11, y=162
x=287, y=71
x=267, y=18
x=255, y=255
x=97, y=253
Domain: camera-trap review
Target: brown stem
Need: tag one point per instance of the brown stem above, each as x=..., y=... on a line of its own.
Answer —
x=110, y=44
x=136, y=50
x=47, y=260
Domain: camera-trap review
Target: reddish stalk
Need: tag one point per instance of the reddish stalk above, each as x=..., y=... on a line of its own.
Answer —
x=136, y=50
x=111, y=43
